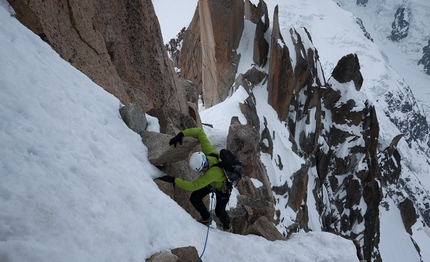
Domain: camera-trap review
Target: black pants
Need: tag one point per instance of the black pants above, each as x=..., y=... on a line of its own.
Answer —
x=196, y=199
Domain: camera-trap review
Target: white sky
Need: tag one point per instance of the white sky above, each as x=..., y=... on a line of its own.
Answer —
x=174, y=15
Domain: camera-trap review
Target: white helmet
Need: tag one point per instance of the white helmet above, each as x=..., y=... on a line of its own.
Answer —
x=198, y=161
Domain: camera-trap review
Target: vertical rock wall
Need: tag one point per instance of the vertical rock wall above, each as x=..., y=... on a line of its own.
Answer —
x=215, y=34
x=281, y=74
x=118, y=44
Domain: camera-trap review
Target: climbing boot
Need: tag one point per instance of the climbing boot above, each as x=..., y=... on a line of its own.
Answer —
x=228, y=229
x=205, y=221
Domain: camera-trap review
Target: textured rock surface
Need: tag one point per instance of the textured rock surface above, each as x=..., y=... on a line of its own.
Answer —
x=281, y=75
x=181, y=254
x=318, y=120
x=209, y=57
x=115, y=43
x=425, y=59
x=348, y=69
x=160, y=152
x=186, y=254
x=265, y=228
x=259, y=16
x=163, y=257
x=400, y=25
x=134, y=116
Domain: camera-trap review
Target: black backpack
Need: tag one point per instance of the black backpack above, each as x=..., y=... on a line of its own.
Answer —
x=231, y=164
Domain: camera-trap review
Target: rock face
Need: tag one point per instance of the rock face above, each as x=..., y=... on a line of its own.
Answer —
x=211, y=41
x=359, y=181
x=400, y=25
x=253, y=203
x=259, y=16
x=347, y=70
x=115, y=43
x=281, y=75
x=411, y=122
x=425, y=60
x=159, y=151
x=318, y=121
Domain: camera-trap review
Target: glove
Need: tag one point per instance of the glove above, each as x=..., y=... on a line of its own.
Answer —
x=177, y=139
x=169, y=179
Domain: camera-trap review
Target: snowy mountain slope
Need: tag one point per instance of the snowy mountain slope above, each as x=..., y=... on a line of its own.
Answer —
x=334, y=34
x=76, y=184
x=403, y=56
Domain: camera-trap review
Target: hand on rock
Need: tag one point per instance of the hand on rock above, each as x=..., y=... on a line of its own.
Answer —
x=177, y=139
x=169, y=179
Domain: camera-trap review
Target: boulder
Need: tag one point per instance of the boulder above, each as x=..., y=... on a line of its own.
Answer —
x=248, y=211
x=254, y=76
x=248, y=80
x=163, y=257
x=159, y=150
x=182, y=254
x=263, y=227
x=186, y=254
x=134, y=116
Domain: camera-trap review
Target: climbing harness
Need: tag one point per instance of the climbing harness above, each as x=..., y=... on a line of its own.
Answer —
x=209, y=223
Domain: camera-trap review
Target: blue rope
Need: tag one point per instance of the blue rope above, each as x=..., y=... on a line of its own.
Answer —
x=209, y=223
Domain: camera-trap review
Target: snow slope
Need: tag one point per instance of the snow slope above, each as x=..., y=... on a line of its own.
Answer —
x=76, y=184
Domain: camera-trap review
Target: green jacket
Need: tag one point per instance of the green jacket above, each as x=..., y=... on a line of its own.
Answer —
x=214, y=176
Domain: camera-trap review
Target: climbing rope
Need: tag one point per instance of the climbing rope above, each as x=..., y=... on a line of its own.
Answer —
x=209, y=223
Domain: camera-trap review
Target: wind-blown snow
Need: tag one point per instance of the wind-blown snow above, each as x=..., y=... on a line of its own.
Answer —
x=76, y=184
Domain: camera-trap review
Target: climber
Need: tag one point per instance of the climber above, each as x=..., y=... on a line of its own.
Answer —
x=212, y=179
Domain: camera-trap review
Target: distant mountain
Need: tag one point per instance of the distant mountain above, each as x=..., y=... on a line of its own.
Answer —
x=401, y=29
